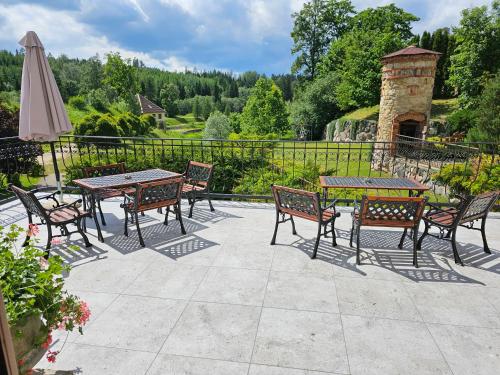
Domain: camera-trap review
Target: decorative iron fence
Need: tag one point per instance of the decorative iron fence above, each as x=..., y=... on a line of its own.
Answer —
x=245, y=169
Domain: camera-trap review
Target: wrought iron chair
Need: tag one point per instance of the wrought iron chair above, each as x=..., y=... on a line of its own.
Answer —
x=198, y=177
x=306, y=205
x=448, y=219
x=102, y=170
x=154, y=195
x=395, y=212
x=59, y=216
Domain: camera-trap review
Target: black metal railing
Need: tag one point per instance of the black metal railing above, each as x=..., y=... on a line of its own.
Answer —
x=247, y=168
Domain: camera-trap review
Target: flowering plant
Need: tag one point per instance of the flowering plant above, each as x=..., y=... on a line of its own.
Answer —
x=33, y=286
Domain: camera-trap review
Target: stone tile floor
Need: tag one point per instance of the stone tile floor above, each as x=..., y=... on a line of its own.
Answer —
x=220, y=300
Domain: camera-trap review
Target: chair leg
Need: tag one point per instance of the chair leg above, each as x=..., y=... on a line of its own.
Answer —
x=352, y=234
x=103, y=221
x=82, y=233
x=358, y=233
x=193, y=201
x=415, y=261
x=454, y=246
x=49, y=241
x=179, y=217
x=402, y=240
x=125, y=228
x=483, y=233
x=141, y=241
x=30, y=221
x=426, y=231
x=273, y=241
x=165, y=221
x=313, y=255
x=293, y=225
x=210, y=204
x=334, y=236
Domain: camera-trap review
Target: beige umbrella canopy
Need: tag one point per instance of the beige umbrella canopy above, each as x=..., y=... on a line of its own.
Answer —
x=42, y=115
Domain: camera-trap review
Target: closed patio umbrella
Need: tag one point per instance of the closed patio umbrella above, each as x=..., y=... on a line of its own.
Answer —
x=42, y=116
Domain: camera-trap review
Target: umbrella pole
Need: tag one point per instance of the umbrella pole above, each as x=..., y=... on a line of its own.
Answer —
x=56, y=170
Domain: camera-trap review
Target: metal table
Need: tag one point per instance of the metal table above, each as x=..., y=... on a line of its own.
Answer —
x=386, y=183
x=93, y=185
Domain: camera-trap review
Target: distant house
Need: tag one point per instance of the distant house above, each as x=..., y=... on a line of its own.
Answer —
x=150, y=108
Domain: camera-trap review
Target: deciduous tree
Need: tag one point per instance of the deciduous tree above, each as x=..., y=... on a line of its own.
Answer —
x=265, y=111
x=315, y=26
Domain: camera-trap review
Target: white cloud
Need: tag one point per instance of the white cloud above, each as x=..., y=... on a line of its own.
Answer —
x=138, y=8
x=62, y=33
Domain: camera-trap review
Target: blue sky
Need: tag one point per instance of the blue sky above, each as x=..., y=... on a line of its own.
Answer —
x=235, y=35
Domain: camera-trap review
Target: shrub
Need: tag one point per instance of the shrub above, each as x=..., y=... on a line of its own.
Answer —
x=98, y=99
x=33, y=287
x=217, y=126
x=477, y=176
x=461, y=120
x=77, y=102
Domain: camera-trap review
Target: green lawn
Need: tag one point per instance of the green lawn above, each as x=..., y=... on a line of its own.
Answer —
x=442, y=108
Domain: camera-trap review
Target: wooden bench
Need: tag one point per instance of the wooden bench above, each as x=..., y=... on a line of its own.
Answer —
x=103, y=170
x=154, y=195
x=198, y=177
x=448, y=219
x=393, y=212
x=59, y=216
x=305, y=205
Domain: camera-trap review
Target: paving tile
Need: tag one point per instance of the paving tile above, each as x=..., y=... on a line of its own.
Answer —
x=167, y=364
x=385, y=347
x=272, y=370
x=252, y=256
x=492, y=294
x=233, y=285
x=105, y=275
x=300, y=339
x=379, y=298
x=93, y=360
x=214, y=331
x=168, y=281
x=453, y=304
x=134, y=322
x=469, y=350
x=291, y=259
x=301, y=291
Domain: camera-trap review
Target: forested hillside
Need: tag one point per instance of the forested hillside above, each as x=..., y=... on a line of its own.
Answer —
x=336, y=70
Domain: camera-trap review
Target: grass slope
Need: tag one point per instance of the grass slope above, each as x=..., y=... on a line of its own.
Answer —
x=441, y=108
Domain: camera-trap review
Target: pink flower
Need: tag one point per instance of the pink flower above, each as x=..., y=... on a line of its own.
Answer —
x=84, y=313
x=33, y=230
x=56, y=241
x=51, y=356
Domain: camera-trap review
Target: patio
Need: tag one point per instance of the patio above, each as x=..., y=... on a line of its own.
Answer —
x=221, y=300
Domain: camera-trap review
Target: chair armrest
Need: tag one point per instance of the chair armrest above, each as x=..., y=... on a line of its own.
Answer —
x=127, y=199
x=331, y=205
x=51, y=196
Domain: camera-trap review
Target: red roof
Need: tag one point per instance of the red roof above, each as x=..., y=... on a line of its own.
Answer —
x=411, y=50
x=147, y=106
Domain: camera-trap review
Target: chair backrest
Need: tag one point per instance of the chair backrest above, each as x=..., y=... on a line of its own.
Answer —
x=104, y=170
x=199, y=173
x=297, y=202
x=391, y=211
x=158, y=194
x=29, y=201
x=477, y=207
